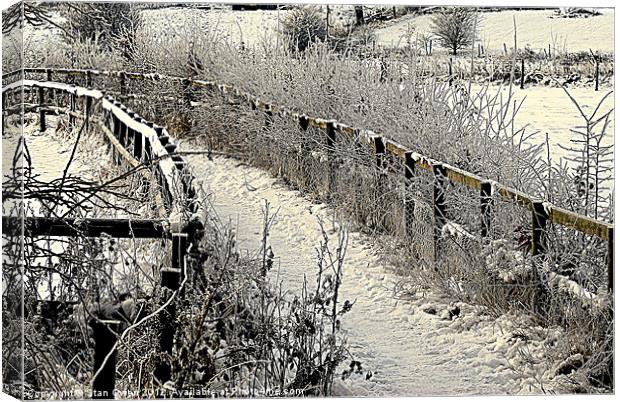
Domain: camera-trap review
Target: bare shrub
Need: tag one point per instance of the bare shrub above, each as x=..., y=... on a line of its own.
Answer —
x=112, y=26
x=302, y=27
x=455, y=28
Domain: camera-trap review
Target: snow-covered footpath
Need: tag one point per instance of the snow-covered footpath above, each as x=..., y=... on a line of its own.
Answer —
x=409, y=352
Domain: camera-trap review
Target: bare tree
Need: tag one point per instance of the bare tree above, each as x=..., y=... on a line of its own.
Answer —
x=35, y=14
x=455, y=28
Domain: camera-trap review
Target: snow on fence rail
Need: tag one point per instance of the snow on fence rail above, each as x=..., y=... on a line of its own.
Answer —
x=148, y=149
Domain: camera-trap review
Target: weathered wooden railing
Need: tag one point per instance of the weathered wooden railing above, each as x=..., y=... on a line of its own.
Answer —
x=149, y=150
x=543, y=213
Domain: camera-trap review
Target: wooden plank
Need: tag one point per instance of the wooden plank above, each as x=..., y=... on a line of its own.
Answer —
x=515, y=196
x=396, y=149
x=578, y=222
x=463, y=177
x=89, y=227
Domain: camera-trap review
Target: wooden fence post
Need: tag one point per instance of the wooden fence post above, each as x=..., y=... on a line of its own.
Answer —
x=540, y=217
x=118, y=133
x=439, y=205
x=87, y=111
x=610, y=259
x=486, y=206
x=522, y=72
x=125, y=131
x=450, y=71
x=303, y=122
x=4, y=113
x=330, y=131
x=72, y=109
x=104, y=334
x=409, y=204
x=268, y=118
x=187, y=94
x=123, y=83
x=379, y=147
x=380, y=161
x=171, y=278
x=42, y=126
x=138, y=145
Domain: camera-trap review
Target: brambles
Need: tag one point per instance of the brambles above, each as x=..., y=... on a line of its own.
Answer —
x=456, y=28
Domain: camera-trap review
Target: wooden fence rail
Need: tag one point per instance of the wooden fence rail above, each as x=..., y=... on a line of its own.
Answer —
x=487, y=188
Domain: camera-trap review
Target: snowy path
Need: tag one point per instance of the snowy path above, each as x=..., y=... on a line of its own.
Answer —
x=410, y=352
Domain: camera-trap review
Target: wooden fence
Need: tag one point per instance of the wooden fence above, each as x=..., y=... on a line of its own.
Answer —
x=149, y=150
x=138, y=142
x=542, y=212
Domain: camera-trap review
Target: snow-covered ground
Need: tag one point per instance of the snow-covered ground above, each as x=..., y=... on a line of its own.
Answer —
x=409, y=351
x=535, y=29
x=548, y=110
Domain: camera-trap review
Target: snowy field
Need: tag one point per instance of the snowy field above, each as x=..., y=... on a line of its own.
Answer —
x=535, y=29
x=548, y=110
